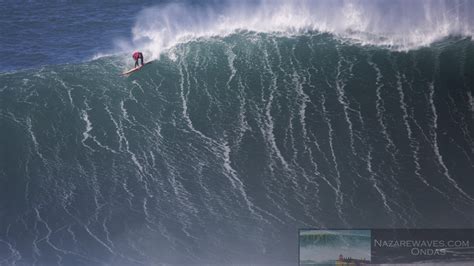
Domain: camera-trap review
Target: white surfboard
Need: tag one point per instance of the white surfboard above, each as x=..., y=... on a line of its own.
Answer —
x=134, y=69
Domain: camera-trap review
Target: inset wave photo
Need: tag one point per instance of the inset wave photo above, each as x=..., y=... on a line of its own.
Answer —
x=334, y=247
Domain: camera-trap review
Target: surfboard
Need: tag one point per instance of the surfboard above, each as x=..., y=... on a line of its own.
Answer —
x=135, y=69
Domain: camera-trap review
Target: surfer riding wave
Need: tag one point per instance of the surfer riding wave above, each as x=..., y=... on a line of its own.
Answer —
x=138, y=56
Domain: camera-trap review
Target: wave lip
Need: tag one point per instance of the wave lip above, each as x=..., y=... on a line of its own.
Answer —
x=399, y=24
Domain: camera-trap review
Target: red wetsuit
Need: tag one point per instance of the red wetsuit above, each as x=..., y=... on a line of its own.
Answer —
x=137, y=55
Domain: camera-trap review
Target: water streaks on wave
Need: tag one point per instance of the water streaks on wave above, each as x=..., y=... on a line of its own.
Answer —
x=226, y=145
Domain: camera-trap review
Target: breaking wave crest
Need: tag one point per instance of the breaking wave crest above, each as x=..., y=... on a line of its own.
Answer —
x=399, y=24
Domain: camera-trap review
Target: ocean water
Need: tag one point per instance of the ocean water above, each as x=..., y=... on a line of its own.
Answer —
x=254, y=119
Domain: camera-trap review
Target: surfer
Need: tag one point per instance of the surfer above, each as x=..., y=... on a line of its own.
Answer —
x=138, y=55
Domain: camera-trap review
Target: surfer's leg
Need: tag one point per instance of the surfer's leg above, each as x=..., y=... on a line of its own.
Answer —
x=140, y=56
x=136, y=63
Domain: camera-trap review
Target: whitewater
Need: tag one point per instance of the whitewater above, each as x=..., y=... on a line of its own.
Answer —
x=253, y=120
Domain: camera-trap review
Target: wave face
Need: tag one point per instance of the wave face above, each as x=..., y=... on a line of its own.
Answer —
x=218, y=151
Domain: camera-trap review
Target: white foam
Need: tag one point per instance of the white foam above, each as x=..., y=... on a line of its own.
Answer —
x=399, y=24
x=471, y=102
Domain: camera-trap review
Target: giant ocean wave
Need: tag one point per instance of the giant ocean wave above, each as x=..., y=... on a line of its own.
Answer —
x=225, y=145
